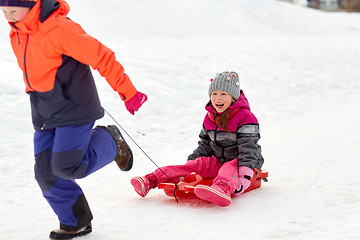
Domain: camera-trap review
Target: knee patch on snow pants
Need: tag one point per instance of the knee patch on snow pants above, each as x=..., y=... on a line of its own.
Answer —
x=43, y=171
x=68, y=165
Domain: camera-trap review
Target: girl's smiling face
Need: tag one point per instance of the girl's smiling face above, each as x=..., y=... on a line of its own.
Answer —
x=221, y=100
x=14, y=14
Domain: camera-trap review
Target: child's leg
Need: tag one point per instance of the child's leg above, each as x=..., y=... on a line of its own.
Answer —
x=223, y=185
x=64, y=196
x=206, y=167
x=229, y=175
x=80, y=150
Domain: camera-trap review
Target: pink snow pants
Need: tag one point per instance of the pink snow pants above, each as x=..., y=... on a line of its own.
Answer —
x=206, y=167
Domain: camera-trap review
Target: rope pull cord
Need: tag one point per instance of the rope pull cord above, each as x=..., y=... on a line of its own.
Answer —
x=176, y=186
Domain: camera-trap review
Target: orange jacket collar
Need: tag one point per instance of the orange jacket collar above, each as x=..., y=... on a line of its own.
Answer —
x=31, y=21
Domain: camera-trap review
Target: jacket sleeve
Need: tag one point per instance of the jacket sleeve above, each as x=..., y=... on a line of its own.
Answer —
x=76, y=43
x=203, y=149
x=250, y=156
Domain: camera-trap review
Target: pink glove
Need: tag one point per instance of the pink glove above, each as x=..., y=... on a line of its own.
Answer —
x=134, y=103
x=245, y=175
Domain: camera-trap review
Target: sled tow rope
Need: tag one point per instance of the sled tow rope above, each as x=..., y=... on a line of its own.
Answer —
x=144, y=153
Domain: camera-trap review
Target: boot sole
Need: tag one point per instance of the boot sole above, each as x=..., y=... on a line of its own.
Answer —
x=130, y=160
x=68, y=236
x=129, y=163
x=209, y=194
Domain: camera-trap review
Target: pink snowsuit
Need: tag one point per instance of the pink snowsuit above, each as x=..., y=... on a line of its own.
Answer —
x=227, y=157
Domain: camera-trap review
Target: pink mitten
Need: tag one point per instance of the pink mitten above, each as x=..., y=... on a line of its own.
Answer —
x=134, y=103
x=245, y=175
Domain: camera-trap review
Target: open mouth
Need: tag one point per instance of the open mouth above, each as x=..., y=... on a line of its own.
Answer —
x=219, y=105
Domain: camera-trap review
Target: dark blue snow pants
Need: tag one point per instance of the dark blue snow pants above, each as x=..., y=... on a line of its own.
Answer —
x=66, y=153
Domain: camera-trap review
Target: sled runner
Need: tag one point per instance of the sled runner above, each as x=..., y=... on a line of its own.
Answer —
x=186, y=187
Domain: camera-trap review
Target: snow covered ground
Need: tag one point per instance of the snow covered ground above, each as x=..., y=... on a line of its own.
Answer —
x=300, y=71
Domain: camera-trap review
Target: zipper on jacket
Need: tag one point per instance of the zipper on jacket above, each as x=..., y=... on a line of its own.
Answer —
x=217, y=144
x=215, y=135
x=17, y=32
x=25, y=69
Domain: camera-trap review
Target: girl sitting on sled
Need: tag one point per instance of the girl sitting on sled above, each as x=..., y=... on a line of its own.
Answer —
x=228, y=149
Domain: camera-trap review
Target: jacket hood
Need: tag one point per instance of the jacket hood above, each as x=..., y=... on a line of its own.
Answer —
x=43, y=16
x=242, y=102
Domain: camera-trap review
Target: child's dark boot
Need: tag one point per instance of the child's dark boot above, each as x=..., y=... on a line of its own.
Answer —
x=65, y=234
x=124, y=156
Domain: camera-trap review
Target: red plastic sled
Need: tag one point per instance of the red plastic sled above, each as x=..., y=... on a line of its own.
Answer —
x=186, y=187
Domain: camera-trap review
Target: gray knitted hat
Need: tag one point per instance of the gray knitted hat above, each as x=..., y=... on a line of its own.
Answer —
x=228, y=82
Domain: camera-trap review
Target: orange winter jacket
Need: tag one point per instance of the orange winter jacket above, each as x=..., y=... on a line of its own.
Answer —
x=55, y=53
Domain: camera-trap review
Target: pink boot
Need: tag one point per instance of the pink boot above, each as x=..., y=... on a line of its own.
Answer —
x=142, y=185
x=218, y=194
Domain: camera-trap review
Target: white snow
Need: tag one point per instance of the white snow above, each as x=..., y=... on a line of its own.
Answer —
x=300, y=71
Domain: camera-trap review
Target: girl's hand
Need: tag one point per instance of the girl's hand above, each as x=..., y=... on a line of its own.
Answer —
x=245, y=175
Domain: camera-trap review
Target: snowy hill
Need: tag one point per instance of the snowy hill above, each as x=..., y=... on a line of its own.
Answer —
x=300, y=71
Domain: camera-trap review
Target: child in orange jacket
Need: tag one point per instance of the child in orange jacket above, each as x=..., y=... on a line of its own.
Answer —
x=54, y=54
